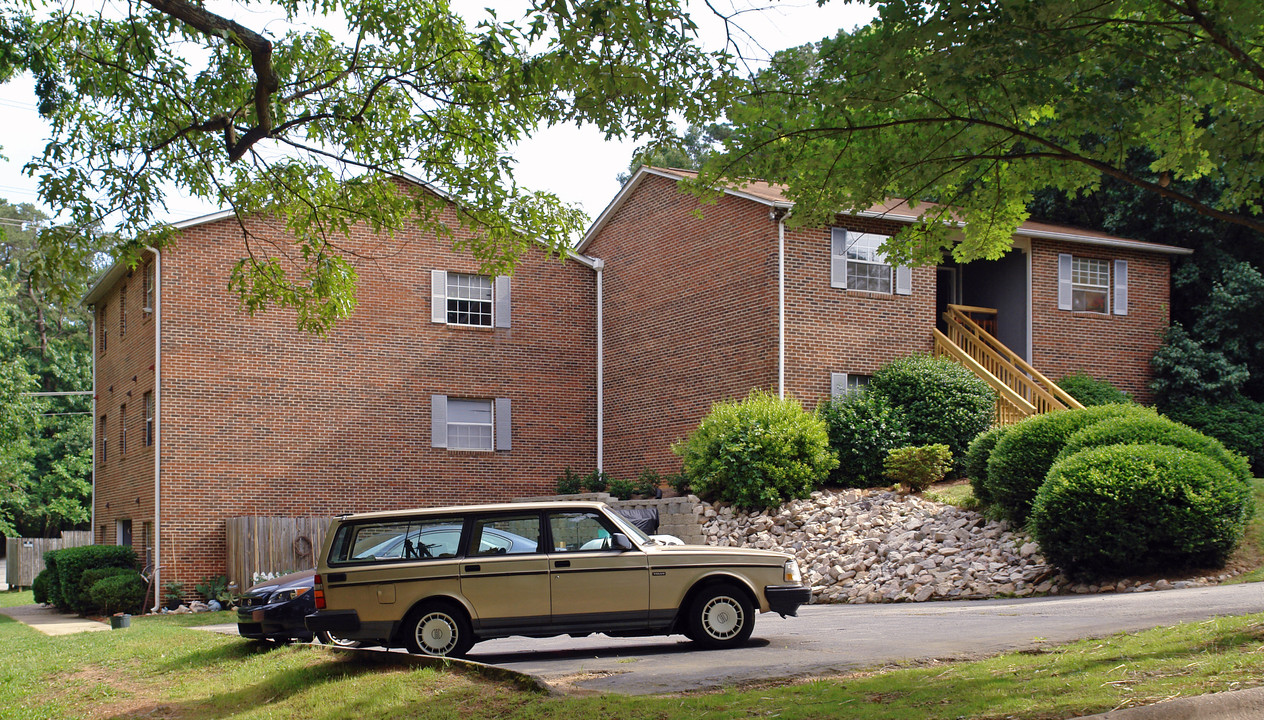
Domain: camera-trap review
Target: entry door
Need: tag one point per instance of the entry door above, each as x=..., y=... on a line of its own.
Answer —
x=504, y=575
x=594, y=584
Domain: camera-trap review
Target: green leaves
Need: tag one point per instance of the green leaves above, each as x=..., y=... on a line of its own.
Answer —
x=978, y=104
x=305, y=127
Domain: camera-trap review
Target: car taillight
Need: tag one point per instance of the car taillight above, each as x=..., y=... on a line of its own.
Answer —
x=318, y=593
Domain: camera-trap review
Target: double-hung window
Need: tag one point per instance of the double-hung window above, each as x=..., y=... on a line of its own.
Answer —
x=469, y=300
x=470, y=423
x=149, y=418
x=858, y=263
x=844, y=384
x=1092, y=285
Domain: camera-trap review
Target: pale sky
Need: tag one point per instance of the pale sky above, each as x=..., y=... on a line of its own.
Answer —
x=577, y=164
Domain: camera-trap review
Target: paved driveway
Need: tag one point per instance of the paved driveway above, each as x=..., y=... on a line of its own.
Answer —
x=836, y=638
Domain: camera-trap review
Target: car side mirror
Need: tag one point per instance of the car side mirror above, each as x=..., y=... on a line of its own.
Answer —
x=620, y=542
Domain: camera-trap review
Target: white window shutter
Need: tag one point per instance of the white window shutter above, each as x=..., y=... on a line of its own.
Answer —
x=1064, y=282
x=1121, y=287
x=903, y=280
x=502, y=301
x=838, y=258
x=838, y=385
x=504, y=438
x=438, y=296
x=439, y=421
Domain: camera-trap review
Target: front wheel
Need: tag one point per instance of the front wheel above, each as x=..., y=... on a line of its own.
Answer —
x=439, y=630
x=721, y=616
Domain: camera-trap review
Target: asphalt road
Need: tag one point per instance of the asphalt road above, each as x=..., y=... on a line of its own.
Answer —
x=827, y=639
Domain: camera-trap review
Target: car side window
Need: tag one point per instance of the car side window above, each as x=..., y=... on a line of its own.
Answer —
x=397, y=540
x=580, y=530
x=506, y=535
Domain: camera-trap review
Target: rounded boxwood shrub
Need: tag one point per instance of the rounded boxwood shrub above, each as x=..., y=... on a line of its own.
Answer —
x=124, y=592
x=1157, y=430
x=917, y=468
x=39, y=587
x=942, y=401
x=1090, y=391
x=1238, y=424
x=863, y=427
x=977, y=456
x=91, y=577
x=1129, y=509
x=1023, y=454
x=757, y=453
x=69, y=564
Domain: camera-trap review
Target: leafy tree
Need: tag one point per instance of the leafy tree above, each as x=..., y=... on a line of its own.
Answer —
x=312, y=127
x=687, y=151
x=978, y=103
x=16, y=416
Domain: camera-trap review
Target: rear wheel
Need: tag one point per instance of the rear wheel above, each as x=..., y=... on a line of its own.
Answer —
x=330, y=639
x=721, y=616
x=438, y=629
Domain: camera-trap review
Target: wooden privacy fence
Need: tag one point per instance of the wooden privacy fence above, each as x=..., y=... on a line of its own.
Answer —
x=25, y=556
x=272, y=545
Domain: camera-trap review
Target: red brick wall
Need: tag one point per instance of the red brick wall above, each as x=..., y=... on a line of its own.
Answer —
x=690, y=317
x=124, y=373
x=832, y=330
x=261, y=419
x=1115, y=348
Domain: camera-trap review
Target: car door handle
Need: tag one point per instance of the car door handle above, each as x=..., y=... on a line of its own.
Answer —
x=473, y=568
x=562, y=563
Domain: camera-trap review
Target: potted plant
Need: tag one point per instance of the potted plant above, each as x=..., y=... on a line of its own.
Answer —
x=172, y=594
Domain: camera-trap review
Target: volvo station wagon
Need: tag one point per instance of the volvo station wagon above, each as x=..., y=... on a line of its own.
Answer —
x=438, y=580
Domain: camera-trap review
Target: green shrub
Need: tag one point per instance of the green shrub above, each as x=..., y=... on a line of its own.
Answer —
x=647, y=483
x=214, y=587
x=1238, y=424
x=119, y=593
x=917, y=468
x=1133, y=509
x=863, y=427
x=977, y=456
x=622, y=489
x=758, y=452
x=1156, y=430
x=569, y=483
x=91, y=577
x=39, y=587
x=679, y=482
x=1024, y=453
x=596, y=481
x=942, y=401
x=1090, y=391
x=72, y=563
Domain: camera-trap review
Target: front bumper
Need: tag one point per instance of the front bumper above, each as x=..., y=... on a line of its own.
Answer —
x=280, y=621
x=786, y=599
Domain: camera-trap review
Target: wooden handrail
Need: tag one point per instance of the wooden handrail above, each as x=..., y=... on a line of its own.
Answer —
x=972, y=309
x=1035, y=380
x=944, y=345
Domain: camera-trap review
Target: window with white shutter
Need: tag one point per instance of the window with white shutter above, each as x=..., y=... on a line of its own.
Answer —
x=857, y=263
x=470, y=423
x=469, y=300
x=1092, y=285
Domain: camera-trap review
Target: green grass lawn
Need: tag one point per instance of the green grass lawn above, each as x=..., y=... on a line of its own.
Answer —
x=14, y=598
x=160, y=668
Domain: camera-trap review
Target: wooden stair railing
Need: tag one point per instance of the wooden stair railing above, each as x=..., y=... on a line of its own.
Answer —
x=1022, y=390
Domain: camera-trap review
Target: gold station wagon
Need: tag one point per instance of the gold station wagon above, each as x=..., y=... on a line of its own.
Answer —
x=438, y=580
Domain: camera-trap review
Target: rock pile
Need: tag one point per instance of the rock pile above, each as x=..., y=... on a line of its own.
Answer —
x=868, y=546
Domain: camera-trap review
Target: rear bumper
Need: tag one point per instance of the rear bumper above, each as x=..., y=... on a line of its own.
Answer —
x=334, y=621
x=786, y=599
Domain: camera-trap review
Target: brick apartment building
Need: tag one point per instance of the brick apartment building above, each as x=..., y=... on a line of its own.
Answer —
x=443, y=387
x=449, y=387
x=694, y=308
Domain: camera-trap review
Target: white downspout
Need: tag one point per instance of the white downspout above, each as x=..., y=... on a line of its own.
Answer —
x=157, y=425
x=92, y=334
x=598, y=266
x=780, y=217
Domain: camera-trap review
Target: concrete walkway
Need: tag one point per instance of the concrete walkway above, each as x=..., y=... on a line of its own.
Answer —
x=51, y=622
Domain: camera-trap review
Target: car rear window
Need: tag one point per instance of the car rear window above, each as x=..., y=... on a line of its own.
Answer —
x=397, y=540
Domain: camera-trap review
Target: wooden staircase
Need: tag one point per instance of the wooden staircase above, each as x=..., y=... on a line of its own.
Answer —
x=1021, y=391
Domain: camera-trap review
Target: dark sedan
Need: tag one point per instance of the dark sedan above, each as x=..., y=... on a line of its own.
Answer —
x=274, y=610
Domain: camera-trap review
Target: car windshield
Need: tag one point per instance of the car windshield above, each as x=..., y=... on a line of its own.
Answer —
x=631, y=530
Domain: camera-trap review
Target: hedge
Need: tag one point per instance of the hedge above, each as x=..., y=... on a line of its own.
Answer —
x=1158, y=430
x=69, y=564
x=1090, y=391
x=863, y=427
x=977, y=456
x=942, y=401
x=122, y=592
x=1023, y=455
x=1134, y=509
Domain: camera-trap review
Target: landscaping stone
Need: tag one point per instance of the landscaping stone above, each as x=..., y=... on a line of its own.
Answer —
x=873, y=546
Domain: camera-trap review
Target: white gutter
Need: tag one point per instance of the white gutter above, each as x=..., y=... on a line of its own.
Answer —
x=598, y=266
x=157, y=425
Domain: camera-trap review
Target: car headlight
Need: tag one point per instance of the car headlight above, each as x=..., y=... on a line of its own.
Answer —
x=287, y=595
x=792, y=572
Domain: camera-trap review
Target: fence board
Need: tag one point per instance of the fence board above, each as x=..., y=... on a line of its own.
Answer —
x=271, y=545
x=25, y=556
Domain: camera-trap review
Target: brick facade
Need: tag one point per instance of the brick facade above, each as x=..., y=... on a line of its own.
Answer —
x=259, y=418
